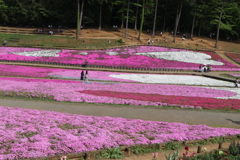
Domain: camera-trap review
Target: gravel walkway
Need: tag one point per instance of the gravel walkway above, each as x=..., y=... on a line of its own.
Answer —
x=210, y=118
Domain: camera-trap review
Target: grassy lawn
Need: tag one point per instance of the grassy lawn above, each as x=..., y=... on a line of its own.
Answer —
x=55, y=41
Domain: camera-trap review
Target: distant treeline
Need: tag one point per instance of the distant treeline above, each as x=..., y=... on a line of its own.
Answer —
x=192, y=17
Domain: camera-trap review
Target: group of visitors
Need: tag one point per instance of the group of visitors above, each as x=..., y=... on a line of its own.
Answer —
x=84, y=76
x=205, y=68
x=150, y=42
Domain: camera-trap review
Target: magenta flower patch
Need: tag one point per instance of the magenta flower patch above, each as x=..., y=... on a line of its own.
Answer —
x=128, y=57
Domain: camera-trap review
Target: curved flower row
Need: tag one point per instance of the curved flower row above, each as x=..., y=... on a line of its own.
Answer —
x=136, y=57
x=68, y=91
x=29, y=133
x=38, y=72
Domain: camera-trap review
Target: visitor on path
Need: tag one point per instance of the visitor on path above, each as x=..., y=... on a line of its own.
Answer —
x=82, y=75
x=149, y=41
x=152, y=42
x=183, y=39
x=86, y=76
x=205, y=68
x=4, y=43
x=161, y=34
x=236, y=83
x=209, y=68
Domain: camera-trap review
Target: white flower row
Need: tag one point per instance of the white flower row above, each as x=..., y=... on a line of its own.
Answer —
x=183, y=56
x=41, y=53
x=173, y=79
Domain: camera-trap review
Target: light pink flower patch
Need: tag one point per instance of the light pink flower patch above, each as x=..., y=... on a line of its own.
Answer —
x=26, y=133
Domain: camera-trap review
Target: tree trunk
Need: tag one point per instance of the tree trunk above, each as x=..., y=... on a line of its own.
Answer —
x=193, y=23
x=155, y=17
x=219, y=23
x=179, y=10
x=100, y=16
x=81, y=15
x=78, y=16
x=142, y=20
x=127, y=19
x=136, y=17
x=122, y=20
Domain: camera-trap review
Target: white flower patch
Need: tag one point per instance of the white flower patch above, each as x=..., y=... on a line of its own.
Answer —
x=186, y=56
x=83, y=53
x=232, y=89
x=173, y=79
x=41, y=53
x=112, y=53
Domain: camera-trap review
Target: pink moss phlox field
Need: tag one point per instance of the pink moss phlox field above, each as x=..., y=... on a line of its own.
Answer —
x=125, y=57
x=182, y=101
x=234, y=56
x=38, y=72
x=67, y=91
x=27, y=133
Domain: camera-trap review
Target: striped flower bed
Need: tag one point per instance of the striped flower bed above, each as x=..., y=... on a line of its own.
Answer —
x=135, y=57
x=143, y=94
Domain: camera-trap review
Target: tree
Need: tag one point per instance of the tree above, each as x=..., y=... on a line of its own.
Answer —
x=78, y=19
x=178, y=15
x=81, y=16
x=127, y=19
x=155, y=17
x=136, y=17
x=194, y=16
x=142, y=19
x=3, y=8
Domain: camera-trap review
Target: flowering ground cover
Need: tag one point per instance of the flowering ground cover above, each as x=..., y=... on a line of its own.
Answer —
x=136, y=57
x=142, y=94
x=234, y=56
x=40, y=72
x=183, y=101
x=27, y=133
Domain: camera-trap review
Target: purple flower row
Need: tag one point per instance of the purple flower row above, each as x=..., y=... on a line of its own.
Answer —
x=29, y=133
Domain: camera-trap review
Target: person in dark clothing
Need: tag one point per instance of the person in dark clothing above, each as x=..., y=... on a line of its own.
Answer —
x=82, y=75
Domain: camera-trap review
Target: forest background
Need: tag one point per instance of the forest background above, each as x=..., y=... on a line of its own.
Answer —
x=214, y=18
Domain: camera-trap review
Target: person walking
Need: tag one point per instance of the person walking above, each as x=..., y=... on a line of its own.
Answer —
x=236, y=83
x=82, y=75
x=86, y=76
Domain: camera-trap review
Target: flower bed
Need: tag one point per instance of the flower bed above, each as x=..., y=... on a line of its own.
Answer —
x=183, y=101
x=234, y=56
x=134, y=57
x=29, y=133
x=38, y=72
x=73, y=91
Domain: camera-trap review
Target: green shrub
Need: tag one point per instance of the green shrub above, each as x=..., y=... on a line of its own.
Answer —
x=120, y=41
